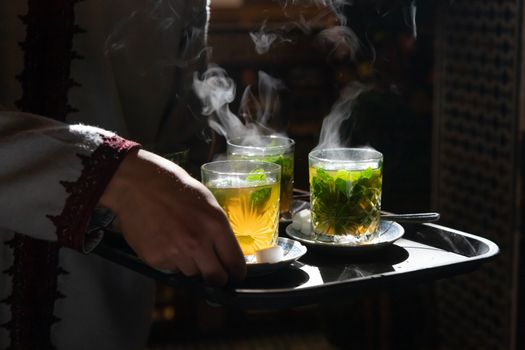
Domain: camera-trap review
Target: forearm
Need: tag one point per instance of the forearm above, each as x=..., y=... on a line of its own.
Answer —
x=53, y=175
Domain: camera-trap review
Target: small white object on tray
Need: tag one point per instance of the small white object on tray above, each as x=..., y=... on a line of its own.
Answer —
x=301, y=221
x=269, y=260
x=269, y=255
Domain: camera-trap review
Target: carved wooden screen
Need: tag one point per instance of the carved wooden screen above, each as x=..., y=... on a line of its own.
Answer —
x=476, y=163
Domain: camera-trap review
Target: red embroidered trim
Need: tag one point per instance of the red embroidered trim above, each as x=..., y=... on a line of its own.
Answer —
x=98, y=169
x=35, y=267
x=33, y=299
x=45, y=84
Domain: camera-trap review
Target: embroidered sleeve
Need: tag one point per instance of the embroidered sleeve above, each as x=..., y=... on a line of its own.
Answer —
x=52, y=176
x=85, y=192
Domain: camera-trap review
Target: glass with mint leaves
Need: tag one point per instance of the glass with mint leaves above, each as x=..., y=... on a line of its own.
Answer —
x=248, y=191
x=345, y=194
x=274, y=149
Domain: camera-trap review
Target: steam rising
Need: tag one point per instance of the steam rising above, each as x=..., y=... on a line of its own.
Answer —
x=343, y=43
x=335, y=6
x=303, y=25
x=216, y=91
x=410, y=16
x=267, y=102
x=150, y=39
x=264, y=39
x=343, y=40
x=330, y=136
x=148, y=33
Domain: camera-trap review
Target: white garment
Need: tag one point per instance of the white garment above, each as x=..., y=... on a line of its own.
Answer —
x=139, y=58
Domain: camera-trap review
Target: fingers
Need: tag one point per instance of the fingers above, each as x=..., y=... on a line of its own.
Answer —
x=208, y=250
x=174, y=223
x=193, y=253
x=218, y=257
x=210, y=267
x=204, y=262
x=173, y=263
x=186, y=265
x=230, y=255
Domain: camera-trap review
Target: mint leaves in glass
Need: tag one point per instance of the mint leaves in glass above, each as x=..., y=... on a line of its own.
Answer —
x=345, y=193
x=248, y=191
x=274, y=149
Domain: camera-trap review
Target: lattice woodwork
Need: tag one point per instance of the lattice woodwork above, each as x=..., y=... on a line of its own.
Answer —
x=475, y=163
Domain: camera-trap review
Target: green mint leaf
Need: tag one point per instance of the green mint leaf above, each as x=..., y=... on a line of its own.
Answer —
x=343, y=175
x=260, y=197
x=256, y=175
x=341, y=186
x=323, y=175
x=344, y=201
x=367, y=174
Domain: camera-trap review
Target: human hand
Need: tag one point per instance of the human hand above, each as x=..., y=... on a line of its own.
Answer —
x=171, y=220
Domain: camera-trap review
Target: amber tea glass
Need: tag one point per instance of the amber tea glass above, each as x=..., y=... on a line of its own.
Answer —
x=274, y=149
x=249, y=192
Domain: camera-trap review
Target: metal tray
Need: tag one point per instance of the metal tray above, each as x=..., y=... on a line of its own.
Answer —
x=426, y=252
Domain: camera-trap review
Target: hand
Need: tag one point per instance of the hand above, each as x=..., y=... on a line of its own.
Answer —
x=171, y=220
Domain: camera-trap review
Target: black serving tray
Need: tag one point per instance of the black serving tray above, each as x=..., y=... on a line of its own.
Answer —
x=426, y=252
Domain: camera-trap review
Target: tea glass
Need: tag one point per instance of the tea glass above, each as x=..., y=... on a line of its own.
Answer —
x=275, y=149
x=345, y=194
x=248, y=191
x=180, y=157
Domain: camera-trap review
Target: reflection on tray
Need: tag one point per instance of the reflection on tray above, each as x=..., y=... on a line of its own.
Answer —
x=426, y=251
x=449, y=241
x=287, y=277
x=334, y=268
x=389, y=255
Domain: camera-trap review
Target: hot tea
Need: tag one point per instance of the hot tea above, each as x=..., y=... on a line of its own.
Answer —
x=249, y=194
x=345, y=193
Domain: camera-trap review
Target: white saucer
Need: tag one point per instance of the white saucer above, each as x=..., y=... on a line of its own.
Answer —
x=389, y=232
x=292, y=250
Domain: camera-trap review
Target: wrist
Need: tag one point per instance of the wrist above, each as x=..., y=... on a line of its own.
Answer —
x=120, y=183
